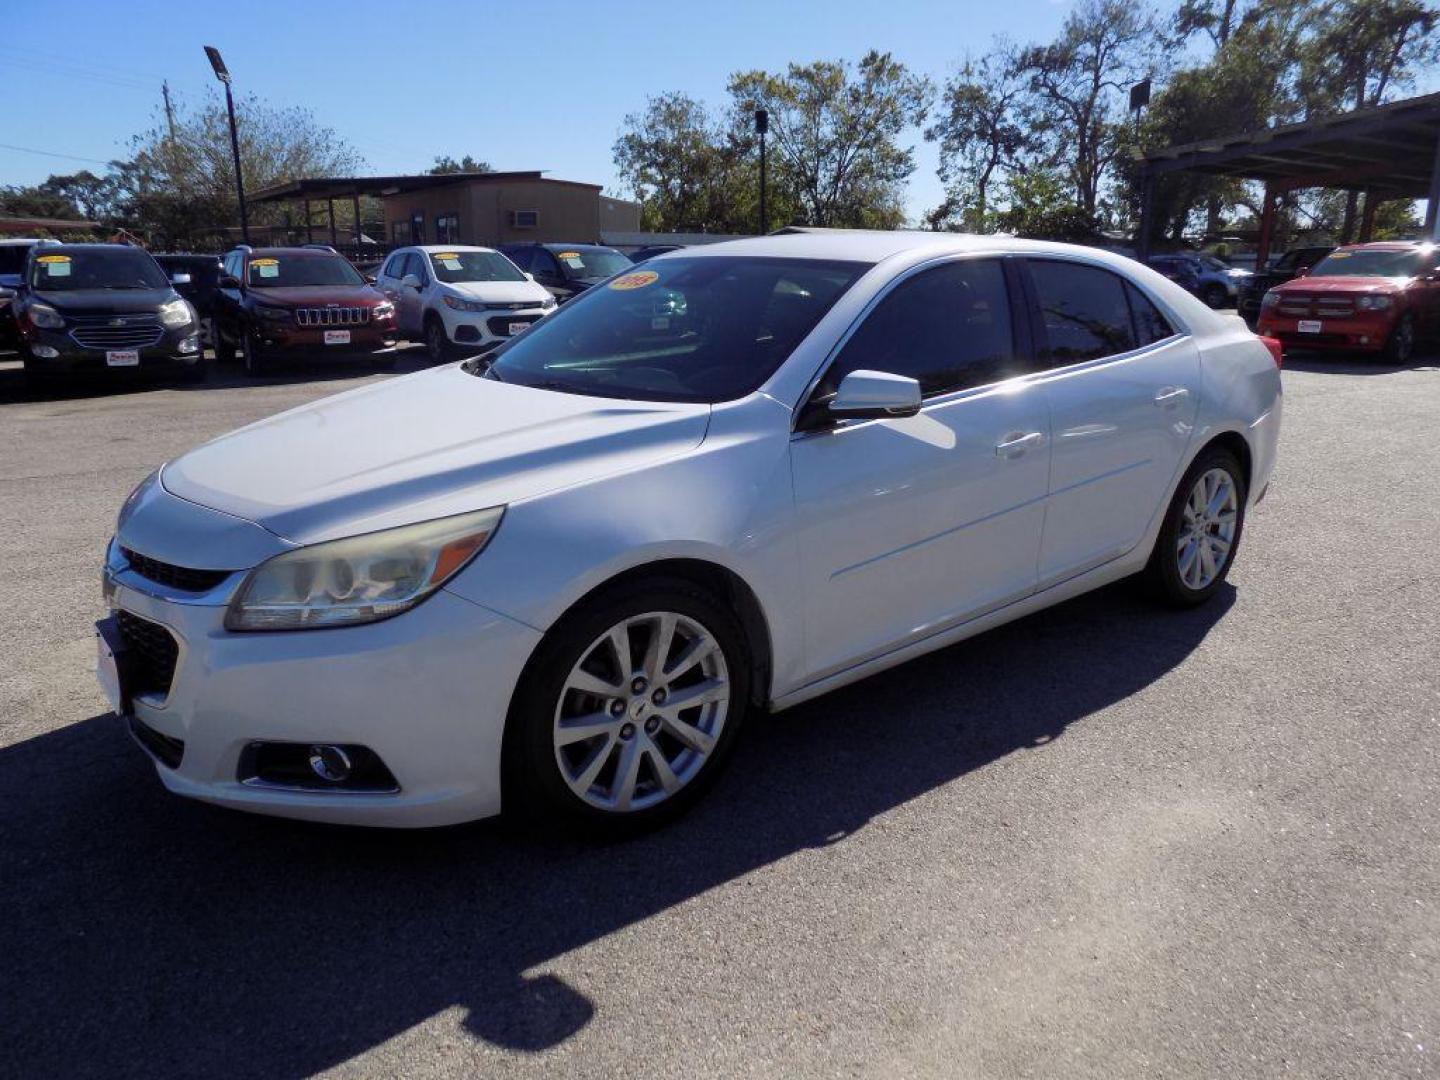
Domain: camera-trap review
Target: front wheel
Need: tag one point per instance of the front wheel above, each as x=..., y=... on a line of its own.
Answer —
x=629, y=709
x=1400, y=346
x=252, y=355
x=437, y=345
x=1215, y=296
x=1201, y=532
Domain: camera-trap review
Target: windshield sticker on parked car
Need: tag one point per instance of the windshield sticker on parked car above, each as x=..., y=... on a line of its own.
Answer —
x=55, y=265
x=53, y=259
x=449, y=260
x=268, y=268
x=1340, y=255
x=637, y=280
x=569, y=255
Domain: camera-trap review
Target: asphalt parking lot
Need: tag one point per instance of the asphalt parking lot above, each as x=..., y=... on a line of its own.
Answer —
x=1104, y=841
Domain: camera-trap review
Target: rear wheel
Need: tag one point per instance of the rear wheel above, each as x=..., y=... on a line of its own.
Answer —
x=630, y=708
x=1400, y=345
x=1201, y=532
x=1215, y=296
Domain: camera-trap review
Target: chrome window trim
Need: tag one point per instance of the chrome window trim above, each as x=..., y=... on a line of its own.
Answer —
x=1019, y=381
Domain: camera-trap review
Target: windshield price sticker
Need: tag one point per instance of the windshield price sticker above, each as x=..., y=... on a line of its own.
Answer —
x=637, y=280
x=449, y=262
x=266, y=267
x=569, y=254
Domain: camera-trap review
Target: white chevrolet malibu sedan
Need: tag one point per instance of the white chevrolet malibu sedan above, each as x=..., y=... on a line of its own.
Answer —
x=558, y=578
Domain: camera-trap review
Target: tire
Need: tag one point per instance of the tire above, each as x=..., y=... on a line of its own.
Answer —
x=224, y=347
x=1215, y=296
x=545, y=772
x=1400, y=345
x=437, y=345
x=252, y=355
x=1189, y=566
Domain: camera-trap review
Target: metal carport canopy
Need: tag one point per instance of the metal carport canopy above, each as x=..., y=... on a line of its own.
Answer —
x=1392, y=151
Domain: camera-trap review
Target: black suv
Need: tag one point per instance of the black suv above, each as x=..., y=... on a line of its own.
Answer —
x=1278, y=271
x=96, y=307
x=567, y=270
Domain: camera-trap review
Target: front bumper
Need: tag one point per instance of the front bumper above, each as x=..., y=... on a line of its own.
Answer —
x=427, y=691
x=1366, y=333
x=175, y=347
x=366, y=340
x=485, y=329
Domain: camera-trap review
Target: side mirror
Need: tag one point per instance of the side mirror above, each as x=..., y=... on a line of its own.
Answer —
x=228, y=281
x=370, y=279
x=872, y=395
x=179, y=279
x=1303, y=271
x=410, y=281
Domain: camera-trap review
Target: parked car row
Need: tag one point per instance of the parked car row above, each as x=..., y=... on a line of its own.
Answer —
x=1213, y=281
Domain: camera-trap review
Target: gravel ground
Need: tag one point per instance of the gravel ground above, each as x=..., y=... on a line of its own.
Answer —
x=1105, y=841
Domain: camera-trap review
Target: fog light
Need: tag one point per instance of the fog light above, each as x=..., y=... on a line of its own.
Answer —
x=1364, y=339
x=190, y=344
x=330, y=763
x=45, y=352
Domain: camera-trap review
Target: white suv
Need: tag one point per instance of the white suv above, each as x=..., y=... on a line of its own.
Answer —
x=449, y=296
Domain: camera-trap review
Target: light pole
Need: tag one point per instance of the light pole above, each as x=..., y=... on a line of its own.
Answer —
x=223, y=74
x=762, y=125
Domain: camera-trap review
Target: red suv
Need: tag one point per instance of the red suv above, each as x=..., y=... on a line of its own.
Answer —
x=1377, y=298
x=301, y=302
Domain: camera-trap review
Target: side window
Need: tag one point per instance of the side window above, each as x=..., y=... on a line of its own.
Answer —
x=1083, y=310
x=418, y=265
x=520, y=256
x=542, y=262
x=949, y=328
x=1150, y=325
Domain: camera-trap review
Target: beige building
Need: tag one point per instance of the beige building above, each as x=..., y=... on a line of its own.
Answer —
x=461, y=208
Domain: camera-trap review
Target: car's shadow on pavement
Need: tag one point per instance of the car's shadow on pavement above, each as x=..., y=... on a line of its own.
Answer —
x=145, y=935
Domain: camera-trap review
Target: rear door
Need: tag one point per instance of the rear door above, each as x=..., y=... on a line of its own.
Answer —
x=409, y=299
x=1123, y=394
x=911, y=524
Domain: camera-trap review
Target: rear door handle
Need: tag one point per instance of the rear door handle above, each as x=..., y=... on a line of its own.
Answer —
x=1171, y=396
x=1016, y=444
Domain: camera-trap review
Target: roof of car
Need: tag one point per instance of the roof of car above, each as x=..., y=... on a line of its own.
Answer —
x=572, y=247
x=431, y=248
x=98, y=247
x=874, y=245
x=271, y=252
x=1389, y=245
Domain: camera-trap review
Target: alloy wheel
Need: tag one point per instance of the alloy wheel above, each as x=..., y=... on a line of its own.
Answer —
x=1207, y=529
x=641, y=711
x=435, y=341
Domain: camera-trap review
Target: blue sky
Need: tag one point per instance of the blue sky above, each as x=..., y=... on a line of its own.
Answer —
x=521, y=85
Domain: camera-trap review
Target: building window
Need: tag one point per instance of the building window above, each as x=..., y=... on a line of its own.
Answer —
x=400, y=232
x=524, y=219
x=447, y=228
x=417, y=228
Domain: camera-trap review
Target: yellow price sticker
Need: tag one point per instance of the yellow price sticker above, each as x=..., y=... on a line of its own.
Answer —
x=264, y=262
x=569, y=254
x=52, y=258
x=636, y=280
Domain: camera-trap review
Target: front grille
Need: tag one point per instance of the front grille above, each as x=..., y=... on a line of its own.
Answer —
x=1319, y=307
x=176, y=577
x=519, y=306
x=167, y=750
x=116, y=331
x=153, y=653
x=332, y=316
x=500, y=324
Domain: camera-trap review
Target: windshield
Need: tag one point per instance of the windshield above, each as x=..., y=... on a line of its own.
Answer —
x=299, y=271
x=96, y=268
x=1373, y=263
x=595, y=263
x=699, y=329
x=455, y=267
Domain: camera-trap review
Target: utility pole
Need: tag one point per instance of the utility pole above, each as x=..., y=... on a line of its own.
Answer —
x=762, y=125
x=223, y=74
x=169, y=109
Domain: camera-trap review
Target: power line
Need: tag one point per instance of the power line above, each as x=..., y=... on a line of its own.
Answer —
x=52, y=153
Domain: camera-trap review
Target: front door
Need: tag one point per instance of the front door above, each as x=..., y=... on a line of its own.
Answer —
x=1123, y=389
x=912, y=524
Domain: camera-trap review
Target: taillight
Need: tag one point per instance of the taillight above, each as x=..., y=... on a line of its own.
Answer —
x=1277, y=350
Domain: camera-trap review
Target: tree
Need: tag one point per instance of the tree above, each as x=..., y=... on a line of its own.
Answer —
x=1076, y=83
x=445, y=165
x=835, y=129
x=1039, y=207
x=982, y=134
x=691, y=172
x=182, y=185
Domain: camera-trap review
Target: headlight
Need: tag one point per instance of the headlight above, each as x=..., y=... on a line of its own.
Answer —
x=548, y=303
x=46, y=317
x=360, y=579
x=175, y=313
x=1373, y=303
x=463, y=305
x=274, y=314
x=382, y=310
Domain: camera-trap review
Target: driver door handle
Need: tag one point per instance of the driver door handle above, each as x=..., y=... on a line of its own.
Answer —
x=1170, y=396
x=1014, y=445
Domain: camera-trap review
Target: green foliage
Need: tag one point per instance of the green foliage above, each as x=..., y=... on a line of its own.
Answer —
x=1040, y=206
x=446, y=165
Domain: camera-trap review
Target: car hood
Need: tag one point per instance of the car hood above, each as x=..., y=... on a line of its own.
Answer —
x=105, y=301
x=316, y=295
x=500, y=292
x=424, y=446
x=1349, y=285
